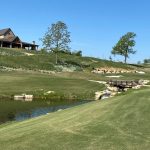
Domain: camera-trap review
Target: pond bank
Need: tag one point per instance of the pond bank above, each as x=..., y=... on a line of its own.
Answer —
x=19, y=110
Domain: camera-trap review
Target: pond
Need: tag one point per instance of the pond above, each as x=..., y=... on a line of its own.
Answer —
x=18, y=110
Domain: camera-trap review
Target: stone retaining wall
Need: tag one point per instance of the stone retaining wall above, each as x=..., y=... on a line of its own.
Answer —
x=112, y=70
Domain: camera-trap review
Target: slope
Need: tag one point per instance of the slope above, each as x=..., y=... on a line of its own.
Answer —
x=118, y=123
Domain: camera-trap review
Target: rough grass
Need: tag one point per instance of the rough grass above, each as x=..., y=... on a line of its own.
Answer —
x=16, y=58
x=119, y=123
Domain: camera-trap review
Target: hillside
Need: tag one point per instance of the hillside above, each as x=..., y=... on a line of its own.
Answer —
x=120, y=123
x=31, y=60
x=32, y=72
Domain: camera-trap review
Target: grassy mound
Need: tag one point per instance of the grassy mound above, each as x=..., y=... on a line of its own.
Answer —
x=32, y=60
x=120, y=123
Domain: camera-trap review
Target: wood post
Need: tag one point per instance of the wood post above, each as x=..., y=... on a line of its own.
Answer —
x=1, y=44
x=10, y=45
x=21, y=45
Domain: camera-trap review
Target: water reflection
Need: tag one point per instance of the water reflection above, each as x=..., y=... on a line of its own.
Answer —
x=11, y=116
x=17, y=110
x=42, y=111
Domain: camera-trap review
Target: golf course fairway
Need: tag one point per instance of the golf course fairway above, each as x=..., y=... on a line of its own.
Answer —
x=118, y=123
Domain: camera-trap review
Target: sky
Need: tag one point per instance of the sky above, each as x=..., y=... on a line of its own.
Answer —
x=95, y=25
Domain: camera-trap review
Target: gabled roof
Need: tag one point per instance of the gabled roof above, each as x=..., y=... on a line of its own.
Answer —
x=3, y=31
x=10, y=39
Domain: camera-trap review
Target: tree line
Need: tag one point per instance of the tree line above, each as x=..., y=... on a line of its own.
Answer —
x=57, y=39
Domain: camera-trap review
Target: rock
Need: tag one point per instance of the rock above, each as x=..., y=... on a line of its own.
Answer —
x=141, y=82
x=140, y=72
x=111, y=70
x=113, y=93
x=98, y=95
x=102, y=94
x=23, y=97
x=146, y=81
x=126, y=89
x=114, y=76
x=49, y=92
x=59, y=109
x=113, y=89
x=136, y=87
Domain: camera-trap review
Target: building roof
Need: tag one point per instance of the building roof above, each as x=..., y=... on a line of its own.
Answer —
x=9, y=39
x=12, y=39
x=3, y=31
x=25, y=43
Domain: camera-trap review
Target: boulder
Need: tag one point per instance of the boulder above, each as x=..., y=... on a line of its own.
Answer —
x=98, y=95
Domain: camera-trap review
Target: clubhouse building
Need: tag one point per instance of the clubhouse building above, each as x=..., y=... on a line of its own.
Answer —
x=9, y=40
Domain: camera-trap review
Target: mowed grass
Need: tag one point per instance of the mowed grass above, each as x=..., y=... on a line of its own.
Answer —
x=104, y=77
x=119, y=123
x=22, y=82
x=75, y=83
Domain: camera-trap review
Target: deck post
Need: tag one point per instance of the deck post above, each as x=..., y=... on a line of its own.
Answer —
x=10, y=45
x=1, y=44
x=37, y=47
x=21, y=45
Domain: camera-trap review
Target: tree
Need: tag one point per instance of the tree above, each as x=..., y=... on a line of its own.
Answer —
x=57, y=38
x=139, y=62
x=125, y=46
x=43, y=51
x=77, y=53
x=110, y=58
x=146, y=61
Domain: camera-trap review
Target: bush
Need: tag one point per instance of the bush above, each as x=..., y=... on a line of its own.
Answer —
x=65, y=52
x=43, y=51
x=77, y=53
x=146, y=61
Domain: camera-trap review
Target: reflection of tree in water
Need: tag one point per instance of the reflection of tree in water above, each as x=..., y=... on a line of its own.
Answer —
x=23, y=115
x=18, y=115
x=11, y=116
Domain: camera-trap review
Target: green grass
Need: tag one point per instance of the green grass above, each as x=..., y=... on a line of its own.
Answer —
x=103, y=77
x=11, y=52
x=33, y=83
x=16, y=58
x=119, y=123
x=66, y=85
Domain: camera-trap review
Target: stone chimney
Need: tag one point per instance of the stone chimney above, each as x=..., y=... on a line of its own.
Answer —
x=33, y=42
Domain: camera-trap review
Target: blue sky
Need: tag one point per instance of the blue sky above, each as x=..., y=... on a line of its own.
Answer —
x=95, y=25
